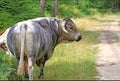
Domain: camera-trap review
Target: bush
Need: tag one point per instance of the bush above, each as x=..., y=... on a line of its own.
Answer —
x=8, y=67
x=15, y=11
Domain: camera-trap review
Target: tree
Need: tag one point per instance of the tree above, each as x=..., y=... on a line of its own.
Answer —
x=55, y=7
x=42, y=7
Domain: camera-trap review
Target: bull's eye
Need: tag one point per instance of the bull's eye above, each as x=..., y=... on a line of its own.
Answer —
x=71, y=28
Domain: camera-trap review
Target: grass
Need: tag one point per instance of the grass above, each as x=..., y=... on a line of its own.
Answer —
x=73, y=61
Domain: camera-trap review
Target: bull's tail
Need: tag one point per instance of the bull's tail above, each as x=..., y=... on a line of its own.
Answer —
x=21, y=62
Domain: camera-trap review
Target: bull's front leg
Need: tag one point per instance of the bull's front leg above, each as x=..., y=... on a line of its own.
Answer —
x=41, y=63
x=42, y=68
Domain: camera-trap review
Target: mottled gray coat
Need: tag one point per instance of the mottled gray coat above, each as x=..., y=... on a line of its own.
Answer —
x=34, y=40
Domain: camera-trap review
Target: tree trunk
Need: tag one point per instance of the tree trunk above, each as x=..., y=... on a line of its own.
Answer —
x=119, y=4
x=113, y=4
x=42, y=7
x=55, y=7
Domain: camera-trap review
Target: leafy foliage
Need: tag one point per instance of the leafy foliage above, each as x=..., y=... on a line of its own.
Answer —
x=8, y=67
x=12, y=11
x=17, y=10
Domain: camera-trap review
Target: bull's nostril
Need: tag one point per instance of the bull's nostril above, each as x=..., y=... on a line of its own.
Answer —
x=79, y=38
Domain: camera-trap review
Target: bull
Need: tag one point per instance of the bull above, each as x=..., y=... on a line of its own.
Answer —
x=33, y=41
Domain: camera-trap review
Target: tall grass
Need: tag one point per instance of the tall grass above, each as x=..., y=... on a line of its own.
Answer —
x=72, y=61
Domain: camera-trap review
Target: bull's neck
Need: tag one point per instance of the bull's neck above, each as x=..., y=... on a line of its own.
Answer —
x=59, y=33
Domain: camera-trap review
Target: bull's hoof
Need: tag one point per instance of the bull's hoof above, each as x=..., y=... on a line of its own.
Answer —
x=26, y=75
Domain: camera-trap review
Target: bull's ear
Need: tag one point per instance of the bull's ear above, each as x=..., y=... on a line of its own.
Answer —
x=63, y=24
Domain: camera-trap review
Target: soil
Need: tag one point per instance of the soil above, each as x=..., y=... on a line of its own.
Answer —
x=108, y=63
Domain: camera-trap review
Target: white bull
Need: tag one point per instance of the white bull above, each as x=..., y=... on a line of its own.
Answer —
x=34, y=40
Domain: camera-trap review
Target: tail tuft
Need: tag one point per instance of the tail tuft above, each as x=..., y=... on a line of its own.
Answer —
x=20, y=70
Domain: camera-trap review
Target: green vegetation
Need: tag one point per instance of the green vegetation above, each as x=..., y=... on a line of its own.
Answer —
x=15, y=10
x=12, y=11
x=74, y=61
x=7, y=67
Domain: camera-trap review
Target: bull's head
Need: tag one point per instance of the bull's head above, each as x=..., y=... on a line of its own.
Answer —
x=69, y=32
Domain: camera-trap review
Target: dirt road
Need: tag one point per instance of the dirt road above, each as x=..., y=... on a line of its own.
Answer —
x=108, y=63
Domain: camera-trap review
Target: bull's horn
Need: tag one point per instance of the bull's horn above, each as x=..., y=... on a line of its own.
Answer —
x=63, y=26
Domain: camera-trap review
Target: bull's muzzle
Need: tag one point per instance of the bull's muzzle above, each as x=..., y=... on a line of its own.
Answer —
x=78, y=38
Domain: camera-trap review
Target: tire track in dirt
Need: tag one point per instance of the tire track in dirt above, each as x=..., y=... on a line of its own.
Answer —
x=108, y=63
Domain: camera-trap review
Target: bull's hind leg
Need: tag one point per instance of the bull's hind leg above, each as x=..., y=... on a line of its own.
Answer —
x=31, y=60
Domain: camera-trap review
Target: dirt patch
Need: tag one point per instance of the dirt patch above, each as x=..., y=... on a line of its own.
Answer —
x=108, y=63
